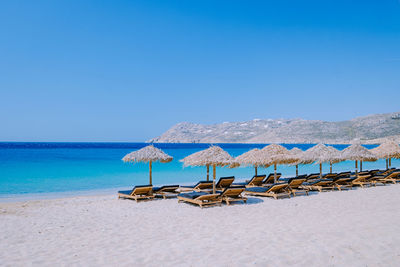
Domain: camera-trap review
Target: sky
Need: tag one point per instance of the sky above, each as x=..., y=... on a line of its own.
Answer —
x=126, y=71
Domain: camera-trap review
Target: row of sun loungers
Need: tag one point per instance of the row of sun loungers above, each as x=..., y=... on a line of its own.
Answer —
x=262, y=185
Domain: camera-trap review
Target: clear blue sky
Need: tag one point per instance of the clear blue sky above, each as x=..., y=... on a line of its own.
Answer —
x=128, y=70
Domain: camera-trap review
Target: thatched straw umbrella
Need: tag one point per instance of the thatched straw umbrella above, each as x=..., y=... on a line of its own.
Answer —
x=276, y=154
x=296, y=155
x=319, y=154
x=387, y=150
x=148, y=154
x=214, y=156
x=357, y=153
x=249, y=158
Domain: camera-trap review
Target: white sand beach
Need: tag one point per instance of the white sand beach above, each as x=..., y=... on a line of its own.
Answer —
x=352, y=228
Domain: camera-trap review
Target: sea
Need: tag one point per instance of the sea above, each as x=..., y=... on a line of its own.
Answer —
x=52, y=170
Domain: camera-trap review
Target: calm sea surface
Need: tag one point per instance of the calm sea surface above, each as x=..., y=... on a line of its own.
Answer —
x=76, y=168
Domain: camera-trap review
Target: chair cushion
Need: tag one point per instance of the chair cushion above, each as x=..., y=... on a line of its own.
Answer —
x=258, y=189
x=244, y=183
x=192, y=195
x=125, y=192
x=155, y=189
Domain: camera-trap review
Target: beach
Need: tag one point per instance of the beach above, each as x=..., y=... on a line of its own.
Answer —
x=349, y=228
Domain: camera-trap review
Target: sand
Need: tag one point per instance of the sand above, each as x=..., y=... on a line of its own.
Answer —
x=353, y=228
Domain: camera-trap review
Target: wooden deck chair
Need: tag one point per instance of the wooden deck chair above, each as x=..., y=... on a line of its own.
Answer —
x=231, y=194
x=200, y=198
x=389, y=178
x=294, y=186
x=312, y=176
x=166, y=191
x=276, y=191
x=374, y=172
x=200, y=186
x=329, y=175
x=385, y=172
x=139, y=192
x=271, y=179
x=257, y=180
x=341, y=183
x=224, y=182
x=359, y=180
x=319, y=185
x=343, y=174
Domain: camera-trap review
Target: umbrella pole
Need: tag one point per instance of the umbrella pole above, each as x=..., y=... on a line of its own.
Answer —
x=213, y=179
x=297, y=170
x=360, y=165
x=274, y=173
x=331, y=166
x=208, y=173
x=390, y=162
x=356, y=167
x=387, y=167
x=150, y=167
x=320, y=171
x=255, y=169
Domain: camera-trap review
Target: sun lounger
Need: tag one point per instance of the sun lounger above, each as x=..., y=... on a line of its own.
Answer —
x=271, y=179
x=257, y=180
x=341, y=183
x=319, y=185
x=224, y=182
x=294, y=185
x=385, y=172
x=201, y=198
x=343, y=174
x=329, y=175
x=313, y=176
x=166, y=191
x=391, y=177
x=359, y=180
x=231, y=194
x=363, y=173
x=373, y=172
x=276, y=191
x=200, y=186
x=138, y=192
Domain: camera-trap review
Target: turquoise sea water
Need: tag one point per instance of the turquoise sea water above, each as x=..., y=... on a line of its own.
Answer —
x=40, y=168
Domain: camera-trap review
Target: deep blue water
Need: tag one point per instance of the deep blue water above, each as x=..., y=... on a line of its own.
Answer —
x=31, y=168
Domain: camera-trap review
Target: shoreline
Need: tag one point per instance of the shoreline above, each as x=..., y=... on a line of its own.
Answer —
x=16, y=198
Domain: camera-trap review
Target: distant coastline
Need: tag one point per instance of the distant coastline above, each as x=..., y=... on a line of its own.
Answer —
x=372, y=129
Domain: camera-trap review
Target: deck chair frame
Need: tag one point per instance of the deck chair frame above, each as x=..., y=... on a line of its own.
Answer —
x=139, y=193
x=275, y=191
x=233, y=194
x=166, y=191
x=203, y=200
x=224, y=182
x=200, y=186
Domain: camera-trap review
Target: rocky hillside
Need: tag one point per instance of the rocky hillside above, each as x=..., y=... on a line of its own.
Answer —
x=369, y=129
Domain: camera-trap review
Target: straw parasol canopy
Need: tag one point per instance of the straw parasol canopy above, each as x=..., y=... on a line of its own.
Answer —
x=387, y=150
x=321, y=153
x=357, y=153
x=214, y=156
x=296, y=154
x=275, y=154
x=249, y=158
x=148, y=154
